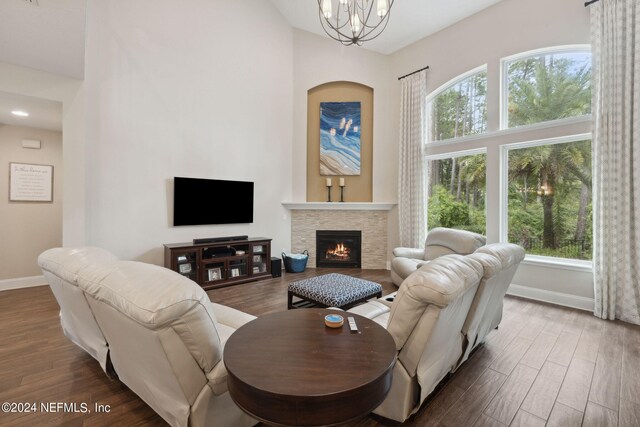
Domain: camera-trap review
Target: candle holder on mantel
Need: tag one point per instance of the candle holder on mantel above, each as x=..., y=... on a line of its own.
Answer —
x=342, y=192
x=328, y=193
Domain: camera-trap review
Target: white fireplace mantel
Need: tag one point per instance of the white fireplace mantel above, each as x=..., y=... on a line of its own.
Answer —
x=339, y=206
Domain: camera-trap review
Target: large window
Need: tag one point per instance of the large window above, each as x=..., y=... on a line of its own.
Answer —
x=528, y=181
x=546, y=86
x=456, y=192
x=460, y=107
x=549, y=198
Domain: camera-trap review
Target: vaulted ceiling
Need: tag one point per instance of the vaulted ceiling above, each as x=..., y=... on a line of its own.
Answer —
x=49, y=35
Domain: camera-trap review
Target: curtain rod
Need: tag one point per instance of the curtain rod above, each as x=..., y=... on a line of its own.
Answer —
x=590, y=2
x=410, y=74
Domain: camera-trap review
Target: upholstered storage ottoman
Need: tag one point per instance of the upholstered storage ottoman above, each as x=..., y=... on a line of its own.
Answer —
x=332, y=290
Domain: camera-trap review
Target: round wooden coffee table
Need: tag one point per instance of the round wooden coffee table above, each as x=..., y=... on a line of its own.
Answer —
x=288, y=368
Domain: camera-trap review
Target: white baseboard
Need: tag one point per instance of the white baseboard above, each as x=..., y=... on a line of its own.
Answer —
x=22, y=282
x=558, y=298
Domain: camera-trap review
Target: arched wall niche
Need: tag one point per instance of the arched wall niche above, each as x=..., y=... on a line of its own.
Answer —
x=358, y=188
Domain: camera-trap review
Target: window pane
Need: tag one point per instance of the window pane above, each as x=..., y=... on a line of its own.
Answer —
x=550, y=199
x=457, y=188
x=460, y=109
x=548, y=87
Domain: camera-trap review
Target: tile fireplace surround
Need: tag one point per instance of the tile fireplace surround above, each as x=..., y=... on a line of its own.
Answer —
x=370, y=218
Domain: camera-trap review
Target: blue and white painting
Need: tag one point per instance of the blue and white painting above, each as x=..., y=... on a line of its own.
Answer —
x=339, y=138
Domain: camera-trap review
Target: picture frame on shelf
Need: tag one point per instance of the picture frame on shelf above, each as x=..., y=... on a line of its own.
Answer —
x=257, y=258
x=214, y=274
x=258, y=249
x=184, y=268
x=235, y=272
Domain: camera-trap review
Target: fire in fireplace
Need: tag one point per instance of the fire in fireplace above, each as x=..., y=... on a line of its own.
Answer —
x=341, y=252
x=338, y=248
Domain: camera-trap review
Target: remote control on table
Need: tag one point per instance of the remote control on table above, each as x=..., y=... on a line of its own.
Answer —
x=352, y=324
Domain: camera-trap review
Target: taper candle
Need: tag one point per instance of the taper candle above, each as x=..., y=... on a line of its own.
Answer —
x=328, y=182
x=341, y=182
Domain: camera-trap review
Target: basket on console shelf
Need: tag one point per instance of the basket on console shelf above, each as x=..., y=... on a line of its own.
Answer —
x=295, y=263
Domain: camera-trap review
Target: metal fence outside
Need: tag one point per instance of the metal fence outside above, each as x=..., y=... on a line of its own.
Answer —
x=567, y=248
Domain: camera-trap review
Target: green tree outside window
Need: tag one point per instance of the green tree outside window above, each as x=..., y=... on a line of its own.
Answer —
x=549, y=186
x=460, y=109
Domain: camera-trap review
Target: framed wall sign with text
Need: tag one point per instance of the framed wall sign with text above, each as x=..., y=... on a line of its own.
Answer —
x=30, y=183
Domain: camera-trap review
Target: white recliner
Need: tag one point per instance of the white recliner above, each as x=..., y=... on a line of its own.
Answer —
x=164, y=336
x=440, y=241
x=61, y=267
x=425, y=321
x=500, y=262
x=449, y=329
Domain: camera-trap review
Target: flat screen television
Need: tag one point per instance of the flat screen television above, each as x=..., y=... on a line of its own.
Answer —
x=211, y=201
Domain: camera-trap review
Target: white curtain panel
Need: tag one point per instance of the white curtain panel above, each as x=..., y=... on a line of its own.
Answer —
x=615, y=29
x=412, y=210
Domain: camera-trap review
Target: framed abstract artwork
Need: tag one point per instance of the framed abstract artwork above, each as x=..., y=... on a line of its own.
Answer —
x=340, y=138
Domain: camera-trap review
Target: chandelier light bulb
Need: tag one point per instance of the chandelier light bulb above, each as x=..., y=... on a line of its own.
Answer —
x=382, y=8
x=355, y=23
x=326, y=8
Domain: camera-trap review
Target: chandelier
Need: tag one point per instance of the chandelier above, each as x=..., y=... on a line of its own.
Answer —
x=354, y=21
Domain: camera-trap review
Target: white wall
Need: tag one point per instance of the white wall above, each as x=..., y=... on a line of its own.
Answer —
x=200, y=89
x=507, y=28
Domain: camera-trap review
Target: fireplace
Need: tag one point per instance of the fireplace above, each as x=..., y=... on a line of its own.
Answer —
x=338, y=248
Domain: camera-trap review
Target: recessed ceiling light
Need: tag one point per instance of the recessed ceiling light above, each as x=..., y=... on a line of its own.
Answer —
x=20, y=113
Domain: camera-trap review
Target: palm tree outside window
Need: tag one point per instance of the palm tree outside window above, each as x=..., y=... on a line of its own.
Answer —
x=545, y=87
x=549, y=199
x=549, y=182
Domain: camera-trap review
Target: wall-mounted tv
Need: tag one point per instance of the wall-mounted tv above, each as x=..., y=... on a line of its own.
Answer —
x=211, y=201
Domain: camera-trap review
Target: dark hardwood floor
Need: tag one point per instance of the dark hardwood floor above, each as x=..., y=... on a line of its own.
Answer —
x=544, y=365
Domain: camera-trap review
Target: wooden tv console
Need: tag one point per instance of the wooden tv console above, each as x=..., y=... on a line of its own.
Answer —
x=221, y=263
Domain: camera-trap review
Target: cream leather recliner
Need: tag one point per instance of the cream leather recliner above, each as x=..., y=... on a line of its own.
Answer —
x=61, y=268
x=440, y=241
x=500, y=262
x=425, y=321
x=165, y=338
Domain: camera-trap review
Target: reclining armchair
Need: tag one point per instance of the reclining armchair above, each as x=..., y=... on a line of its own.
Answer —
x=500, y=262
x=425, y=321
x=163, y=335
x=438, y=316
x=61, y=268
x=440, y=241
